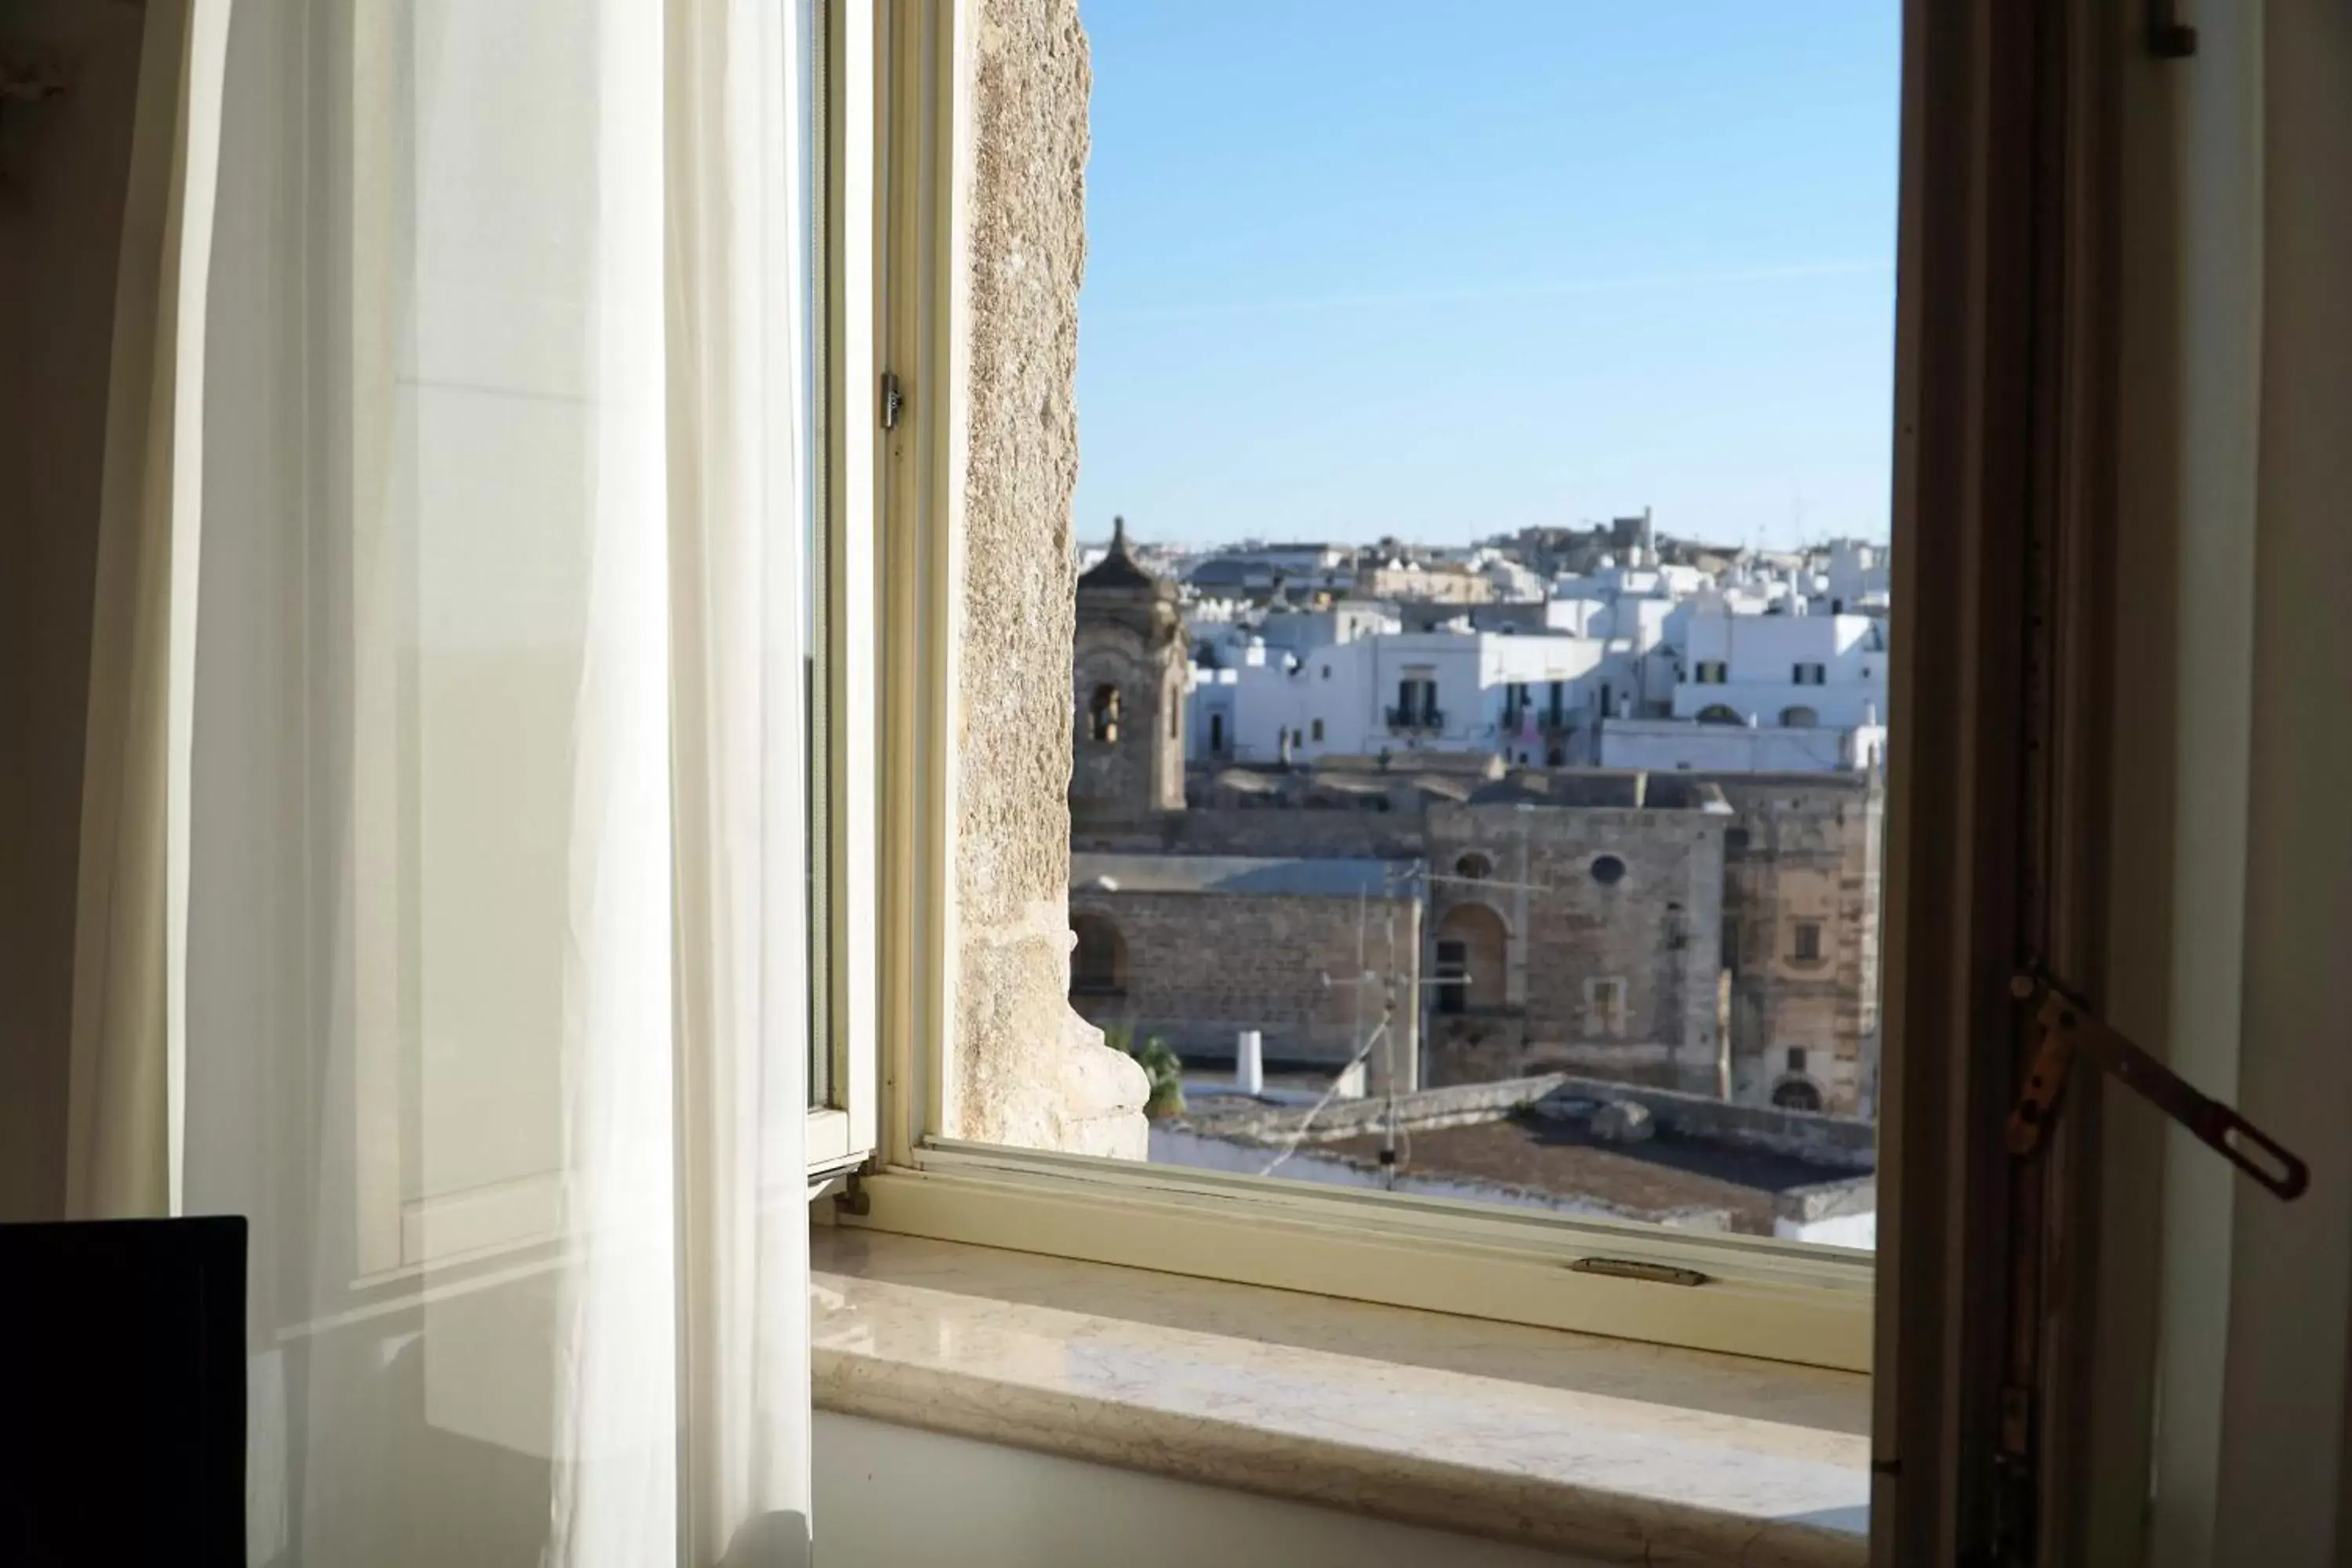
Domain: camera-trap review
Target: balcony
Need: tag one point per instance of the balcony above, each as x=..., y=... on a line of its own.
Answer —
x=1404, y=720
x=1550, y=722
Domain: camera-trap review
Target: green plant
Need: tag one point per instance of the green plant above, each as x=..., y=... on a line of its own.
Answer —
x=1160, y=1063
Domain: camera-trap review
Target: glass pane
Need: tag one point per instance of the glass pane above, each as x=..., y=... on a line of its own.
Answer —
x=1506, y=503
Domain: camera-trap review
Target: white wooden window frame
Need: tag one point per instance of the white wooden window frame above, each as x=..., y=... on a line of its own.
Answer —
x=844, y=1130
x=1767, y=1298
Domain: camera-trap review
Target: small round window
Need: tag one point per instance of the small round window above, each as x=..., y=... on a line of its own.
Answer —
x=1608, y=870
x=1473, y=867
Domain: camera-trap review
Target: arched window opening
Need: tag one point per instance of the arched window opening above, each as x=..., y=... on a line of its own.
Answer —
x=1799, y=718
x=1102, y=713
x=1098, y=965
x=1472, y=949
x=1796, y=1094
x=1718, y=713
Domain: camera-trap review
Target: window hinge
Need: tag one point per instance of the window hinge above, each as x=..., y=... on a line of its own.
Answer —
x=893, y=400
x=2066, y=1025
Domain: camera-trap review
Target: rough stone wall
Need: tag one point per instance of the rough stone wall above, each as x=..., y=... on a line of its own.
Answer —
x=1030, y=1071
x=1655, y=930
x=1807, y=849
x=1804, y=850
x=1202, y=966
x=1273, y=831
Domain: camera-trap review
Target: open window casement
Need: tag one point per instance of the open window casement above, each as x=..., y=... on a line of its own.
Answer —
x=2101, y=1339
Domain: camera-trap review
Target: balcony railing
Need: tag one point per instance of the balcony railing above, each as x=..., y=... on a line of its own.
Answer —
x=1550, y=721
x=1416, y=718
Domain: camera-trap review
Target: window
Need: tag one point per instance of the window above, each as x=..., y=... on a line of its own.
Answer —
x=1799, y=718
x=1102, y=715
x=1416, y=704
x=1098, y=962
x=1796, y=1094
x=1796, y=1055
x=1809, y=675
x=1216, y=734
x=1380, y=952
x=1716, y=713
x=1604, y=1008
x=1805, y=943
x=1452, y=976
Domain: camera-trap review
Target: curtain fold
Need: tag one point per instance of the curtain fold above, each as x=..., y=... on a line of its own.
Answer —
x=122, y=1100
x=739, y=466
x=444, y=874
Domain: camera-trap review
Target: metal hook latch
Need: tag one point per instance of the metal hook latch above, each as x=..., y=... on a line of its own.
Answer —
x=2067, y=1027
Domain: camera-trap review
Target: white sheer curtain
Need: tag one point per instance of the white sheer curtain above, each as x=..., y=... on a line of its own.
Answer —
x=468, y=636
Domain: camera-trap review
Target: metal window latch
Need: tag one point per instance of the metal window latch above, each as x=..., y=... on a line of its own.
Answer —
x=2066, y=1027
x=894, y=399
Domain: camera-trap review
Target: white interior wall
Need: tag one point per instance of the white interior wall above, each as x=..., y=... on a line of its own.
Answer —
x=890, y=1495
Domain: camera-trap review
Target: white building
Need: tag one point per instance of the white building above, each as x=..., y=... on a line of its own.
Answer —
x=1529, y=697
x=1765, y=692
x=1632, y=665
x=1858, y=576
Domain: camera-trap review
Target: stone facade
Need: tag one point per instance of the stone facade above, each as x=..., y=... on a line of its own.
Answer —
x=1608, y=918
x=1647, y=928
x=1804, y=850
x=1312, y=974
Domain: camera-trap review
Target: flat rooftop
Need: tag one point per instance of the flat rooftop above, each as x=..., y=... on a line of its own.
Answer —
x=1667, y=1174
x=1294, y=878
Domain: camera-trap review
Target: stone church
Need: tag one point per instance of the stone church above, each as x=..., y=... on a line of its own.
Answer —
x=1452, y=920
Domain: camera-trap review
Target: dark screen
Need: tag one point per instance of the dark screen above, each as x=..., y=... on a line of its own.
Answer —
x=122, y=1392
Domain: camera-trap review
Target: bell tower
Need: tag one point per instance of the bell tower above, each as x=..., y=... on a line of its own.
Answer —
x=1127, y=692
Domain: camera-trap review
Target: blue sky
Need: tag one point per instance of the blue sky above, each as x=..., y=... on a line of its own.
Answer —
x=1441, y=269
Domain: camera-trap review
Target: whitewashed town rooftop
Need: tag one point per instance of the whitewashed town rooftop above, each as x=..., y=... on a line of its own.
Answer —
x=1610, y=647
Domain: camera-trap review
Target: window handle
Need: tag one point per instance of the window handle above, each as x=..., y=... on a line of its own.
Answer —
x=2066, y=1027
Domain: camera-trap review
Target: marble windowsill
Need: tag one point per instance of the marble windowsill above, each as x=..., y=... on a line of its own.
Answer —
x=1614, y=1451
